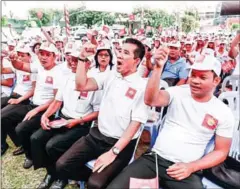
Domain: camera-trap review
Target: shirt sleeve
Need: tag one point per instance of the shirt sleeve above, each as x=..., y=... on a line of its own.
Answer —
x=173, y=92
x=183, y=72
x=34, y=67
x=97, y=98
x=59, y=95
x=140, y=110
x=226, y=126
x=100, y=79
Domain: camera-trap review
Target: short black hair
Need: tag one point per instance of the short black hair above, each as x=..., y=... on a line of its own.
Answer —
x=140, y=50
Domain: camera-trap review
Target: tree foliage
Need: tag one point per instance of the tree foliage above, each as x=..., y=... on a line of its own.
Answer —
x=90, y=17
x=4, y=21
x=155, y=17
x=190, y=20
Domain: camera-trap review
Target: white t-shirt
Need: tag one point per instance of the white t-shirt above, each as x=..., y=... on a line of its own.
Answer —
x=47, y=81
x=77, y=104
x=24, y=82
x=190, y=125
x=6, y=91
x=122, y=102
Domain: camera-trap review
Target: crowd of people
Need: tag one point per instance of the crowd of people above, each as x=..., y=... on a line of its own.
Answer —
x=54, y=90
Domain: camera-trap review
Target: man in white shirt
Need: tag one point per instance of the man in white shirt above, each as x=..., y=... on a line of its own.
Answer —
x=192, y=120
x=26, y=118
x=23, y=90
x=121, y=113
x=79, y=109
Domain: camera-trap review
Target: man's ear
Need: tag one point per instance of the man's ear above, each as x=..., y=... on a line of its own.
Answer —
x=137, y=61
x=217, y=80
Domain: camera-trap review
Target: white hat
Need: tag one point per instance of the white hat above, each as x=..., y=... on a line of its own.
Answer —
x=75, y=53
x=69, y=47
x=174, y=44
x=48, y=47
x=58, y=38
x=206, y=63
x=208, y=52
x=104, y=46
x=147, y=43
x=188, y=42
x=84, y=38
x=12, y=43
x=23, y=48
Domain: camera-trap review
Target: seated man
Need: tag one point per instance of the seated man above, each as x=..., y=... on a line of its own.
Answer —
x=121, y=113
x=26, y=118
x=174, y=71
x=23, y=90
x=79, y=109
x=192, y=119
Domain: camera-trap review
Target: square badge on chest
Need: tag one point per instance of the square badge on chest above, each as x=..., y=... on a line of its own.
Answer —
x=131, y=93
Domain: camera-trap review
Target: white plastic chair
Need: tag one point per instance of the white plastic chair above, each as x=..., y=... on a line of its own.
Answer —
x=232, y=97
x=234, y=80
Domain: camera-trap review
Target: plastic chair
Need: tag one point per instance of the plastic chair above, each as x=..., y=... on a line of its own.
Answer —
x=233, y=80
x=232, y=97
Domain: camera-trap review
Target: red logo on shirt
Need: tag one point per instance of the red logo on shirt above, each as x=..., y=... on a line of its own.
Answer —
x=210, y=122
x=130, y=92
x=26, y=78
x=49, y=80
x=84, y=94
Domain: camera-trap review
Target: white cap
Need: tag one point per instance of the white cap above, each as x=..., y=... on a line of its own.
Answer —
x=58, y=38
x=174, y=44
x=206, y=63
x=188, y=42
x=208, y=52
x=12, y=43
x=23, y=48
x=104, y=46
x=75, y=53
x=84, y=38
x=69, y=47
x=48, y=47
x=147, y=43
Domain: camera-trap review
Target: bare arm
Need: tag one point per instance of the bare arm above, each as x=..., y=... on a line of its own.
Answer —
x=217, y=156
x=128, y=135
x=82, y=82
x=54, y=106
x=28, y=94
x=7, y=82
x=149, y=64
x=233, y=52
x=19, y=65
x=7, y=70
x=181, y=82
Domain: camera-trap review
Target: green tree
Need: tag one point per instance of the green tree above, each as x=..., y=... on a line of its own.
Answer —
x=90, y=18
x=154, y=17
x=235, y=27
x=190, y=20
x=4, y=21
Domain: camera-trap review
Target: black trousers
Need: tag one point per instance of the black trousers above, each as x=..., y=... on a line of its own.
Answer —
x=145, y=168
x=4, y=100
x=71, y=165
x=48, y=145
x=11, y=116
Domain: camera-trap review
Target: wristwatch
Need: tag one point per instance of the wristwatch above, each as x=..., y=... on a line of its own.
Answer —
x=115, y=150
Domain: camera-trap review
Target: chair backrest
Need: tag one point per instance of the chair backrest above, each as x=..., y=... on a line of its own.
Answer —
x=232, y=98
x=233, y=80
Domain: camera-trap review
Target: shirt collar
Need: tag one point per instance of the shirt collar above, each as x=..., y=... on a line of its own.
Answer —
x=130, y=78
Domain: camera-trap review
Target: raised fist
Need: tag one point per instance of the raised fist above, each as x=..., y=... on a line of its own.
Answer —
x=161, y=56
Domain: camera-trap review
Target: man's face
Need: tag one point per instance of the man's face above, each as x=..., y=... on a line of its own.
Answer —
x=202, y=83
x=68, y=59
x=200, y=43
x=73, y=64
x=126, y=63
x=174, y=52
x=25, y=57
x=222, y=45
x=47, y=59
x=59, y=45
x=10, y=47
x=84, y=41
x=188, y=47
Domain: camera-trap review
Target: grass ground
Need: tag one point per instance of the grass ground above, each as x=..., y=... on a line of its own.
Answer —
x=14, y=176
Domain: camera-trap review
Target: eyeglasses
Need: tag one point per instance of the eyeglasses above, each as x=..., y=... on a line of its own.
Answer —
x=103, y=55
